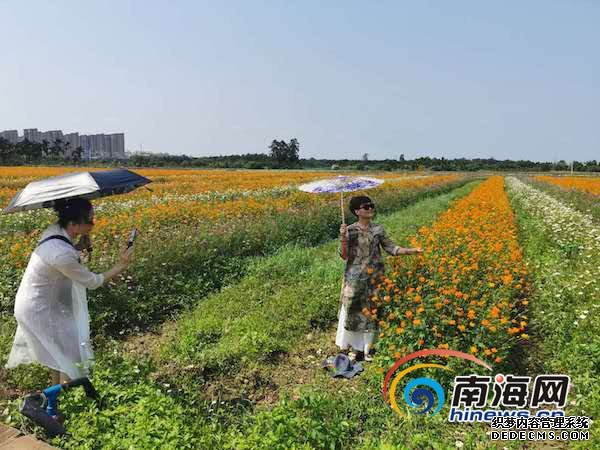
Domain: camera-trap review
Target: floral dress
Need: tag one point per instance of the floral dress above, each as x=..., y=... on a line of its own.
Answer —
x=364, y=266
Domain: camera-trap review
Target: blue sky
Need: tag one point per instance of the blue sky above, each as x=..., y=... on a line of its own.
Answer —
x=510, y=79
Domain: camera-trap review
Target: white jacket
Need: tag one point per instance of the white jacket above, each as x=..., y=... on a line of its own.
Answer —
x=51, y=309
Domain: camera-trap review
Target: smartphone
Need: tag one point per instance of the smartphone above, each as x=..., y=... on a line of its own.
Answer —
x=132, y=237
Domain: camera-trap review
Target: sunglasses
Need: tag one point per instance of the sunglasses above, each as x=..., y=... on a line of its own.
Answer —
x=367, y=206
x=88, y=221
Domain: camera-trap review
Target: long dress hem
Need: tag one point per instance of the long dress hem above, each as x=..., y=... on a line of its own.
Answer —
x=360, y=341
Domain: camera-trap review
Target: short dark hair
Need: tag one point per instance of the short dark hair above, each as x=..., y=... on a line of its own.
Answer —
x=76, y=210
x=355, y=203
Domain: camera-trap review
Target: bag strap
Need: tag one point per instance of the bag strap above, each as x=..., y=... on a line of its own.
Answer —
x=59, y=237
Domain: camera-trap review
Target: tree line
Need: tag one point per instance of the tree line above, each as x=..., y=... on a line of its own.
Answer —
x=27, y=152
x=281, y=155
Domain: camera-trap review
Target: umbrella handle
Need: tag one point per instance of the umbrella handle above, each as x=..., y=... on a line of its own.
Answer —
x=342, y=207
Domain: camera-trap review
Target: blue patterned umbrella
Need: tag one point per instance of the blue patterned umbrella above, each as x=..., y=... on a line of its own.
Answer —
x=341, y=184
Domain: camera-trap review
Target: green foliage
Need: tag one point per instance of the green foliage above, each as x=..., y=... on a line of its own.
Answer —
x=280, y=299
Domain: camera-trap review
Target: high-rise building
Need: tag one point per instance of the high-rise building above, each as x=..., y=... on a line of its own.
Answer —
x=107, y=146
x=32, y=135
x=95, y=146
x=117, y=146
x=52, y=136
x=86, y=145
x=72, y=139
x=11, y=136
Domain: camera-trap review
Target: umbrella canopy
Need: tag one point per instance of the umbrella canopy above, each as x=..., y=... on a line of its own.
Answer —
x=340, y=184
x=44, y=193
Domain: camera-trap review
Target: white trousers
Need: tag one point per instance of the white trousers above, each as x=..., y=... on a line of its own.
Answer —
x=360, y=341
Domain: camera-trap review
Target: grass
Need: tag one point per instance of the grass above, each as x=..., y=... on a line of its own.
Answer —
x=279, y=300
x=241, y=331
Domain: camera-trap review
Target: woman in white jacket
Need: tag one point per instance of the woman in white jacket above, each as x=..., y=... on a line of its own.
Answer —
x=51, y=305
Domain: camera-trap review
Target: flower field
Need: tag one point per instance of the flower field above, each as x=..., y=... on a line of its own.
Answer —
x=198, y=228
x=563, y=247
x=468, y=291
x=215, y=336
x=578, y=199
x=584, y=184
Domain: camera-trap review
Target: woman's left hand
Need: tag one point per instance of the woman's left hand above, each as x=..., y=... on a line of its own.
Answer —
x=418, y=250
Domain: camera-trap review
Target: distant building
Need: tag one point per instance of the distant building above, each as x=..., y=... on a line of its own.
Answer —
x=11, y=136
x=84, y=143
x=32, y=135
x=52, y=136
x=97, y=150
x=95, y=146
x=117, y=145
x=71, y=143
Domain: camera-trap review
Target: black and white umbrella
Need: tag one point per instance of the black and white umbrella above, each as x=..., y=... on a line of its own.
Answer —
x=44, y=193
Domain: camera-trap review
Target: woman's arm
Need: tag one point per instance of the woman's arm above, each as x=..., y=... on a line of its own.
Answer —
x=409, y=251
x=70, y=267
x=344, y=242
x=121, y=266
x=394, y=250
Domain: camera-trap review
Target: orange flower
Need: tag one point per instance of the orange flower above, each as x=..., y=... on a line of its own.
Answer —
x=495, y=312
x=590, y=185
x=473, y=265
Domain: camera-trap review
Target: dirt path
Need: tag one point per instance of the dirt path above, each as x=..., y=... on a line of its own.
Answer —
x=12, y=439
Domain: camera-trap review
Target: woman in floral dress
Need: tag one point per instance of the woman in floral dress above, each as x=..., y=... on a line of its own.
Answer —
x=361, y=245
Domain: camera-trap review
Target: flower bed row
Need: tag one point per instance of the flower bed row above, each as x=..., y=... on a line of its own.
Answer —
x=590, y=185
x=468, y=291
x=562, y=246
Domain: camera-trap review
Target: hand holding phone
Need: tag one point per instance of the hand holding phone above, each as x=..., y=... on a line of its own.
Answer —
x=132, y=237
